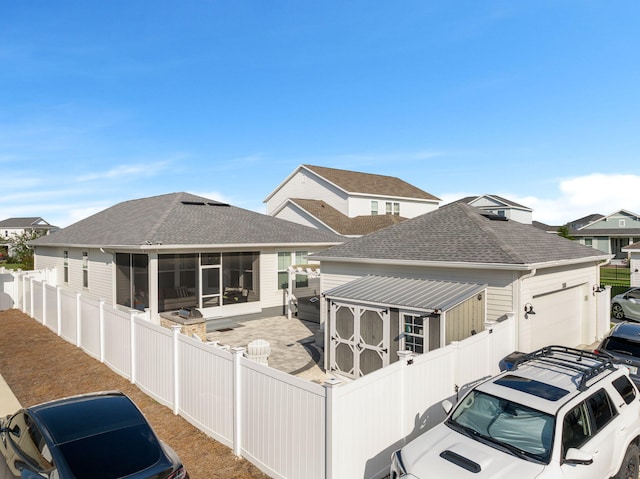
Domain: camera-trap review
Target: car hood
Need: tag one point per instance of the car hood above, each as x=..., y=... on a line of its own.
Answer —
x=423, y=458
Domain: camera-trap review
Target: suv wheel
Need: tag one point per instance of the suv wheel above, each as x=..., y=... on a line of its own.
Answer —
x=616, y=311
x=629, y=467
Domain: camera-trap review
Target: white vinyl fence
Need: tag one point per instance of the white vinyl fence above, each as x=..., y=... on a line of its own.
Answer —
x=286, y=426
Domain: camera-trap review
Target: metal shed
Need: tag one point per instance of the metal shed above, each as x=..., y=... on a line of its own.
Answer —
x=372, y=318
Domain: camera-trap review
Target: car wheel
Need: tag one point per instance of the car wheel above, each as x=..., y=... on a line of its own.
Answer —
x=629, y=467
x=616, y=311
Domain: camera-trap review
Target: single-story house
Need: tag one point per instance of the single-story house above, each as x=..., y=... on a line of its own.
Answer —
x=178, y=251
x=611, y=233
x=451, y=271
x=633, y=250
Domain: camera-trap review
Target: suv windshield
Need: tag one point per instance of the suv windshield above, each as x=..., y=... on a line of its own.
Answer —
x=504, y=424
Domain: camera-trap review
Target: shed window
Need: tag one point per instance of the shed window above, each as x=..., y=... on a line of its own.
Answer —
x=420, y=332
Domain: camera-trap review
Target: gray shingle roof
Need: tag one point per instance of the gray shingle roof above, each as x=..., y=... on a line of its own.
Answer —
x=460, y=233
x=183, y=219
x=29, y=222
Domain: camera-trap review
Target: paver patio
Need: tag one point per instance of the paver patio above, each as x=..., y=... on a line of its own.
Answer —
x=292, y=341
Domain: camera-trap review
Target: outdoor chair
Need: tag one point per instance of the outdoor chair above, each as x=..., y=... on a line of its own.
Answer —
x=258, y=351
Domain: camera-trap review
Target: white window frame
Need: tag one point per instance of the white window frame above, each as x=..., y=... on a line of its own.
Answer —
x=295, y=257
x=85, y=269
x=374, y=208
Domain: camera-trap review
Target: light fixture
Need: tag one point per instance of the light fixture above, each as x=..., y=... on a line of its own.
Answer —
x=528, y=309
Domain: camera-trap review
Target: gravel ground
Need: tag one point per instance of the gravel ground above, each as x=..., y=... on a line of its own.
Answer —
x=40, y=366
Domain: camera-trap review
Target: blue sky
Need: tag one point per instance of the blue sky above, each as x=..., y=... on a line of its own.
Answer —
x=101, y=102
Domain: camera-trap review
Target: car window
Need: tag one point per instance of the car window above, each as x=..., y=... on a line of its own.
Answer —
x=623, y=346
x=635, y=294
x=28, y=439
x=601, y=409
x=576, y=429
x=625, y=388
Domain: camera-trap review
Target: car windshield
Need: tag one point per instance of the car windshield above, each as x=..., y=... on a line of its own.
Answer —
x=517, y=429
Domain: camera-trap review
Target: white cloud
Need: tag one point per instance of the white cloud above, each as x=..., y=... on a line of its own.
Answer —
x=584, y=195
x=127, y=171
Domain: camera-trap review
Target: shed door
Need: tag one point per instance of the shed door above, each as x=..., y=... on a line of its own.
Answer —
x=558, y=318
x=359, y=339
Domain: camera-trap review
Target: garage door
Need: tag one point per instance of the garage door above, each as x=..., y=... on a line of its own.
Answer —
x=558, y=318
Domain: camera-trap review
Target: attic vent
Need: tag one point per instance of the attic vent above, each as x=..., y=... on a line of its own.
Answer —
x=494, y=217
x=195, y=203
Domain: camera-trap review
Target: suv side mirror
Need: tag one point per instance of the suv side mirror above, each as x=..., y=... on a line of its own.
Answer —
x=576, y=456
x=447, y=406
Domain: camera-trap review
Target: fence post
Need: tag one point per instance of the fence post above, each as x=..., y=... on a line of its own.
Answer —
x=405, y=358
x=78, y=321
x=31, y=280
x=175, y=329
x=44, y=303
x=101, y=327
x=59, y=309
x=134, y=351
x=236, y=374
x=329, y=399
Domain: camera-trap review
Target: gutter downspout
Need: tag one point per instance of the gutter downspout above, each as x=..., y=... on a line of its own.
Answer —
x=518, y=315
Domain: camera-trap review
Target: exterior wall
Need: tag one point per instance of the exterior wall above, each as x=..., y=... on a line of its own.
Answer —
x=621, y=221
x=361, y=205
x=550, y=280
x=294, y=215
x=500, y=292
x=100, y=270
x=304, y=184
x=464, y=318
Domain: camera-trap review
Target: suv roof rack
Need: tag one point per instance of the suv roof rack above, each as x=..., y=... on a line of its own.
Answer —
x=587, y=371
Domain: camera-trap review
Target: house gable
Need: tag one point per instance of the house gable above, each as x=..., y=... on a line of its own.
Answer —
x=351, y=193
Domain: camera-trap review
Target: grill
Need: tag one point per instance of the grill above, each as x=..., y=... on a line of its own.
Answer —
x=189, y=313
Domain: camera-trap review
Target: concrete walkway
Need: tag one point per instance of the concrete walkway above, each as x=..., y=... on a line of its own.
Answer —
x=8, y=402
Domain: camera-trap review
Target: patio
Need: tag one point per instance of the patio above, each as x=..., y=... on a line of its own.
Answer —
x=292, y=341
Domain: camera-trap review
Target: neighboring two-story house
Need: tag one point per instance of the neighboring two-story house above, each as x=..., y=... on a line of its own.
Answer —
x=500, y=206
x=17, y=226
x=346, y=202
x=610, y=233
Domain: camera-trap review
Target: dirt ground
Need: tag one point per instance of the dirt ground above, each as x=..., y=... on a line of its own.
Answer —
x=40, y=366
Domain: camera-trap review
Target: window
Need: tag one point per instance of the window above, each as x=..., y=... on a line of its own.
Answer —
x=65, y=268
x=575, y=428
x=286, y=259
x=396, y=209
x=601, y=409
x=501, y=213
x=132, y=280
x=621, y=223
x=374, y=208
x=421, y=333
x=240, y=277
x=625, y=388
x=392, y=208
x=588, y=241
x=85, y=269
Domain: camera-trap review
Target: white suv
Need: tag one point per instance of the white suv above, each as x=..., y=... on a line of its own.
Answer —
x=557, y=413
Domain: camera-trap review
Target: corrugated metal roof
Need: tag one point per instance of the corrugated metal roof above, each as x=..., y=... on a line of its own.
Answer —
x=409, y=293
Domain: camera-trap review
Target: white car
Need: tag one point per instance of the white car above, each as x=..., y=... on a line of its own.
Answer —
x=558, y=413
x=626, y=305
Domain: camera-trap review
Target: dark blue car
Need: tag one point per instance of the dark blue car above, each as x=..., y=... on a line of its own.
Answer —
x=93, y=436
